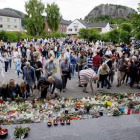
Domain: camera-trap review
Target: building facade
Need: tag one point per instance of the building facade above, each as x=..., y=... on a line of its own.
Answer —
x=62, y=26
x=74, y=27
x=10, y=21
x=77, y=24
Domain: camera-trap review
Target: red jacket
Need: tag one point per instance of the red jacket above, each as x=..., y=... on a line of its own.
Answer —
x=97, y=61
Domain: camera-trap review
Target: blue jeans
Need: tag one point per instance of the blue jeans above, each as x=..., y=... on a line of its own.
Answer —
x=18, y=71
x=95, y=69
x=73, y=69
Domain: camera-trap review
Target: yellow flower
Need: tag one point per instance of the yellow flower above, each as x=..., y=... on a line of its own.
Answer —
x=108, y=103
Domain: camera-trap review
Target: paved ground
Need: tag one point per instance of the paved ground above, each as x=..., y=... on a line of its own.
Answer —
x=72, y=89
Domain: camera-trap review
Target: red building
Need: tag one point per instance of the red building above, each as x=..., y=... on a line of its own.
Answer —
x=62, y=27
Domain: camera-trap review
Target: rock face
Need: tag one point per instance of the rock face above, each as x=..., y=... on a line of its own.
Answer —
x=113, y=11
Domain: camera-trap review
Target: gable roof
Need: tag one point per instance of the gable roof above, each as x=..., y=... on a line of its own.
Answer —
x=9, y=13
x=83, y=22
x=67, y=22
x=98, y=24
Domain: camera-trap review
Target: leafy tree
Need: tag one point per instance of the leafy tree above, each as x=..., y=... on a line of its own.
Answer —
x=53, y=16
x=34, y=19
x=114, y=35
x=126, y=27
x=94, y=35
x=139, y=7
x=84, y=33
x=89, y=34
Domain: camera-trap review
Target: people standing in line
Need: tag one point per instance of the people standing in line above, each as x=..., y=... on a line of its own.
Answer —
x=29, y=76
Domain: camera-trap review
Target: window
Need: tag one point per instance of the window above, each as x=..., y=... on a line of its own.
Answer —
x=8, y=26
x=15, y=26
x=0, y=18
x=69, y=29
x=1, y=26
x=15, y=20
x=75, y=29
x=8, y=19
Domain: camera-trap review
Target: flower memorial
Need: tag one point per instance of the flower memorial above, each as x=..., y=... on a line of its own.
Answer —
x=62, y=110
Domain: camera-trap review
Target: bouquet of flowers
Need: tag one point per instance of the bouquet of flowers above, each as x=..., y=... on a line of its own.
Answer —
x=21, y=132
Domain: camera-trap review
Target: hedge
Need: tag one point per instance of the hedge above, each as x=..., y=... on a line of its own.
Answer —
x=16, y=36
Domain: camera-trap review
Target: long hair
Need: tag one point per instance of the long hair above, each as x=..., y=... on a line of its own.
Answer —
x=22, y=87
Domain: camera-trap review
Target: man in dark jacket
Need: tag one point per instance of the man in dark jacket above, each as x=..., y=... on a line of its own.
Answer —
x=42, y=86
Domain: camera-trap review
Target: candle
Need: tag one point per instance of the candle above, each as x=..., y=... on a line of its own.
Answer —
x=129, y=110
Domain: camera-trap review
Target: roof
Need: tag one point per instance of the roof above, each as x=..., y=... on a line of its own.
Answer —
x=67, y=22
x=83, y=22
x=98, y=24
x=9, y=13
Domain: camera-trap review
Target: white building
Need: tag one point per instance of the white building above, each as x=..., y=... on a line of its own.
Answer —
x=76, y=25
x=10, y=21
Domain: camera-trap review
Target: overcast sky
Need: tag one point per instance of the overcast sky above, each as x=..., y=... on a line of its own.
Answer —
x=70, y=9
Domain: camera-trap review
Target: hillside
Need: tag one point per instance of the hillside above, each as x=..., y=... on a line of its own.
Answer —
x=110, y=13
x=22, y=15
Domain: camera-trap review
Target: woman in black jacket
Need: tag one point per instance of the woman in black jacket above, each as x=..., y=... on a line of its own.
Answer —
x=4, y=91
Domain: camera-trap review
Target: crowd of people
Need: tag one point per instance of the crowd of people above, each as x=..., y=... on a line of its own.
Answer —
x=38, y=61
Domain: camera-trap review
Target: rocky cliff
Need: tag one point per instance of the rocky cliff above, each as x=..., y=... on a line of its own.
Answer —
x=112, y=11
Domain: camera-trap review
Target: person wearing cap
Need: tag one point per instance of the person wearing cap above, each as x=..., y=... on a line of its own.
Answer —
x=87, y=76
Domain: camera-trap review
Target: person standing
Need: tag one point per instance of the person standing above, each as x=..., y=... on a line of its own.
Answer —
x=29, y=75
x=96, y=62
x=81, y=62
x=73, y=62
x=23, y=50
x=49, y=68
x=6, y=60
x=122, y=64
x=65, y=71
x=10, y=58
x=18, y=65
x=103, y=74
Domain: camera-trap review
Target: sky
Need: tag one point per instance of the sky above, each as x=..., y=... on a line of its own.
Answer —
x=71, y=9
